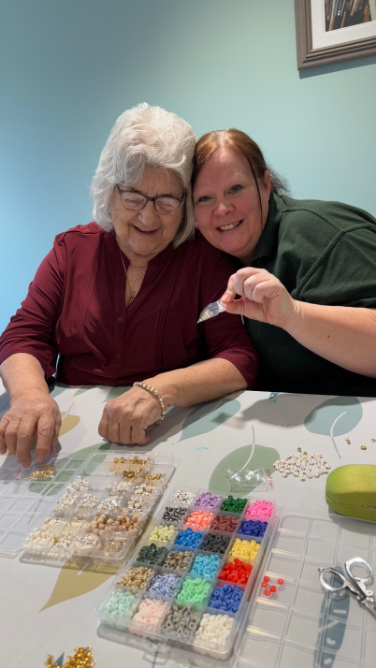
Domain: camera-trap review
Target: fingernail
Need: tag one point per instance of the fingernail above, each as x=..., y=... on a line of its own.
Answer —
x=226, y=297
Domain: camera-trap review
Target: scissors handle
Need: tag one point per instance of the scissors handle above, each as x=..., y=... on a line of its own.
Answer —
x=324, y=571
x=359, y=582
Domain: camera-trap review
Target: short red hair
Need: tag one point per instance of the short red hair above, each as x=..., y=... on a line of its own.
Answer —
x=235, y=140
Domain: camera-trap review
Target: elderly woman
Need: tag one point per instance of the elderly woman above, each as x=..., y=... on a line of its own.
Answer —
x=308, y=282
x=118, y=300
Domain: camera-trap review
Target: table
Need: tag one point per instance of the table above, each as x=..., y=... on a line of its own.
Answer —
x=52, y=610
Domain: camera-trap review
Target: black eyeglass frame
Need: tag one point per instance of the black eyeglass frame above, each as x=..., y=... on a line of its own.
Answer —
x=150, y=199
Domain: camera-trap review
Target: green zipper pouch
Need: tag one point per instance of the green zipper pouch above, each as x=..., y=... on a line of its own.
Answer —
x=351, y=490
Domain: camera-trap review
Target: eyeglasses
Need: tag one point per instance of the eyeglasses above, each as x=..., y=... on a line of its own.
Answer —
x=136, y=201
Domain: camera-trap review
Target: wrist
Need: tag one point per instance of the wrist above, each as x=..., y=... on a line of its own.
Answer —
x=164, y=388
x=154, y=393
x=293, y=317
x=29, y=391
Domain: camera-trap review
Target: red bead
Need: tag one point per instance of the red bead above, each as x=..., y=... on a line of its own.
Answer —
x=280, y=581
x=266, y=578
x=267, y=592
x=264, y=584
x=273, y=588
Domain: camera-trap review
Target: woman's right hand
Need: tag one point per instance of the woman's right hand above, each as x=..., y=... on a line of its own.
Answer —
x=261, y=296
x=31, y=414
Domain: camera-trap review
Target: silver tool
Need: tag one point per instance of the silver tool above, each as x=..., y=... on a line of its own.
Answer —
x=356, y=584
x=213, y=309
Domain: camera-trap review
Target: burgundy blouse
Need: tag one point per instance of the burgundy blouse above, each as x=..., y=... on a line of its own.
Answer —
x=75, y=309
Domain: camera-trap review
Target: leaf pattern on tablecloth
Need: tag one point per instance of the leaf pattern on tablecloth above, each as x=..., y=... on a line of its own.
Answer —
x=262, y=458
x=68, y=423
x=57, y=389
x=209, y=416
x=115, y=392
x=75, y=580
x=82, y=390
x=334, y=417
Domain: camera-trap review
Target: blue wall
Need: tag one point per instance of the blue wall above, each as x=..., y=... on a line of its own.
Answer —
x=72, y=67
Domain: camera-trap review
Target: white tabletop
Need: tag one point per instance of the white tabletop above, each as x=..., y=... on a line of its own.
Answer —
x=47, y=610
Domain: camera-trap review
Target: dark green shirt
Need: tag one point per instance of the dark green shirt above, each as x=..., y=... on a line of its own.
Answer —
x=323, y=253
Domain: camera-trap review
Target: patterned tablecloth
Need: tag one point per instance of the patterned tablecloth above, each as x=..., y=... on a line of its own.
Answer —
x=52, y=610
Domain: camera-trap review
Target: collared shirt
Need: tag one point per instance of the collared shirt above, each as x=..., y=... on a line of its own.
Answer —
x=75, y=308
x=323, y=253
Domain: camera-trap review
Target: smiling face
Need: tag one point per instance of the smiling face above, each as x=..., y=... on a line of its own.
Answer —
x=227, y=206
x=143, y=234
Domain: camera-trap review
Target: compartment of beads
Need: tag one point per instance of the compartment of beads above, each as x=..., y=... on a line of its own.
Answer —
x=99, y=514
x=25, y=496
x=203, y=575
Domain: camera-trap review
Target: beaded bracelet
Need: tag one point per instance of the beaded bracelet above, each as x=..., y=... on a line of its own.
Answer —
x=154, y=392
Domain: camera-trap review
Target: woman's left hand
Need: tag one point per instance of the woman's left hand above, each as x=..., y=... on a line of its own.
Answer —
x=126, y=418
x=261, y=297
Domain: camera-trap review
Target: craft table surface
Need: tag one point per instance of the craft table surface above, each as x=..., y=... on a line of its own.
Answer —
x=46, y=610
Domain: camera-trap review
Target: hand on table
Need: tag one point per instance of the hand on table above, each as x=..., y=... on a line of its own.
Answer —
x=261, y=297
x=31, y=414
x=126, y=418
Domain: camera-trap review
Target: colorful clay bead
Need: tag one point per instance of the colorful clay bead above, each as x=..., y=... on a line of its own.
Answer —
x=208, y=500
x=233, y=505
x=253, y=528
x=199, y=519
x=206, y=566
x=189, y=538
x=214, y=629
x=178, y=561
x=225, y=523
x=237, y=572
x=194, y=591
x=164, y=584
x=244, y=549
x=216, y=543
x=226, y=598
x=181, y=622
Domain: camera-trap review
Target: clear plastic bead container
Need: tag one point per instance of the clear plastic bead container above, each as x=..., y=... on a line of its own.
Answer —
x=187, y=641
x=99, y=514
x=25, y=497
x=297, y=624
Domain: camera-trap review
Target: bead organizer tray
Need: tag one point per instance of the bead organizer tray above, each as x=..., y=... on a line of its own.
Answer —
x=101, y=512
x=302, y=624
x=180, y=600
x=25, y=497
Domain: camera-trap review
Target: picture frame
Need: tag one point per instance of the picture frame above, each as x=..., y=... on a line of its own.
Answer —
x=317, y=46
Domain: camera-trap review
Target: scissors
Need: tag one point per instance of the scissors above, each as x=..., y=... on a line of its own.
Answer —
x=356, y=585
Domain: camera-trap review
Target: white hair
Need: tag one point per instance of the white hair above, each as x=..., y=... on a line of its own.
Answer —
x=144, y=136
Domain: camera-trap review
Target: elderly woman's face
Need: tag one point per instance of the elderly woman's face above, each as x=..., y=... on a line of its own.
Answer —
x=226, y=204
x=146, y=233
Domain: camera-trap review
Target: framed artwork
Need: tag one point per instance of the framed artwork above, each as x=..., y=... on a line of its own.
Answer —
x=329, y=31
